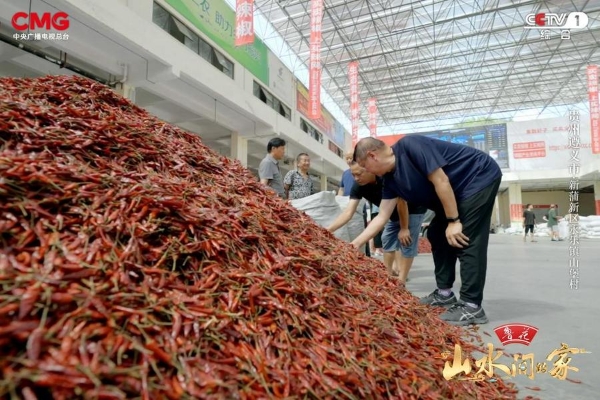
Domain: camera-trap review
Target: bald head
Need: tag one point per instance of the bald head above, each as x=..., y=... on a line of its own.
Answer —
x=348, y=156
x=375, y=156
x=364, y=146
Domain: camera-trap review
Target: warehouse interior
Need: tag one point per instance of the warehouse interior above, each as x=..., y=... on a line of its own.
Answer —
x=505, y=74
x=194, y=283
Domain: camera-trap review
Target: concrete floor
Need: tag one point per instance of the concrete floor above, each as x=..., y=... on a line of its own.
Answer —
x=529, y=283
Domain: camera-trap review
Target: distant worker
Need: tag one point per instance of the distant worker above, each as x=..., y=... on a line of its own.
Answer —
x=298, y=183
x=268, y=170
x=529, y=222
x=347, y=178
x=457, y=182
x=552, y=220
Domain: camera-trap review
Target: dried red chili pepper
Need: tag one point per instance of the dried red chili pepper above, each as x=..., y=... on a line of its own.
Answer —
x=137, y=262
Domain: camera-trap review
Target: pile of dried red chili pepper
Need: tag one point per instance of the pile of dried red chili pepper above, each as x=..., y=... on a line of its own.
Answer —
x=136, y=262
x=424, y=245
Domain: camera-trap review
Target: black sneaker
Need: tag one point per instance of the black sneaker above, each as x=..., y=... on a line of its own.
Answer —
x=438, y=299
x=462, y=314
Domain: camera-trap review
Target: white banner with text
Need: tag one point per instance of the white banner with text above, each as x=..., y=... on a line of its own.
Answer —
x=545, y=144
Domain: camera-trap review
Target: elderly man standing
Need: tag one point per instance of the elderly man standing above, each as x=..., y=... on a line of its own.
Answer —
x=268, y=170
x=459, y=183
x=298, y=183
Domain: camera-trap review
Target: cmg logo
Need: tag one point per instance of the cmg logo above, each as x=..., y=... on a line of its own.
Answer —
x=58, y=21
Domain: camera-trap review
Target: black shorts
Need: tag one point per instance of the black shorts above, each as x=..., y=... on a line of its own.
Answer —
x=528, y=228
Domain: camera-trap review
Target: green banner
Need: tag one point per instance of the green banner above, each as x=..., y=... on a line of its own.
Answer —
x=216, y=19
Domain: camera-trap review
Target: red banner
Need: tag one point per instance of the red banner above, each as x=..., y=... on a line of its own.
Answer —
x=314, y=85
x=244, y=22
x=373, y=116
x=592, y=78
x=516, y=212
x=353, y=78
x=516, y=334
x=529, y=149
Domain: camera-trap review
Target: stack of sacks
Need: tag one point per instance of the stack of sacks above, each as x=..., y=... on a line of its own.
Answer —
x=541, y=230
x=590, y=226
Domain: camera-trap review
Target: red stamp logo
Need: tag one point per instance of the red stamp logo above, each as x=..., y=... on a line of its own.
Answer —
x=516, y=333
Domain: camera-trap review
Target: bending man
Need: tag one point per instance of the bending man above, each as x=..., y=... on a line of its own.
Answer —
x=459, y=183
x=399, y=245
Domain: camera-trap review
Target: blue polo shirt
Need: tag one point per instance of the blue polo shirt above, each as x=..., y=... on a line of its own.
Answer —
x=347, y=182
x=468, y=169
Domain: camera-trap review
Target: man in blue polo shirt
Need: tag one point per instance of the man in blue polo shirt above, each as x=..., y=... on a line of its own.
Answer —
x=347, y=179
x=459, y=183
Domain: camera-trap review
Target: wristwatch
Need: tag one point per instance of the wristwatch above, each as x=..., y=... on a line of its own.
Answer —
x=452, y=219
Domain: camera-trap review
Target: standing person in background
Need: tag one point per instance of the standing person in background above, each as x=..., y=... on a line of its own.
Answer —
x=298, y=183
x=347, y=178
x=268, y=170
x=528, y=222
x=552, y=220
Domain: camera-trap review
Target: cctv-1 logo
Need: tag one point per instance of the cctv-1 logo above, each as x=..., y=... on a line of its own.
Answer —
x=574, y=20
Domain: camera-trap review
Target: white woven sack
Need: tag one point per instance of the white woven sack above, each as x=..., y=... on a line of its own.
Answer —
x=323, y=209
x=357, y=224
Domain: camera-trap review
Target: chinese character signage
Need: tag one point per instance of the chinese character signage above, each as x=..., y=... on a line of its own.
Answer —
x=325, y=124
x=41, y=36
x=516, y=212
x=592, y=78
x=574, y=169
x=217, y=20
x=244, y=22
x=354, y=102
x=548, y=144
x=373, y=116
x=516, y=334
x=314, y=86
x=557, y=364
x=529, y=149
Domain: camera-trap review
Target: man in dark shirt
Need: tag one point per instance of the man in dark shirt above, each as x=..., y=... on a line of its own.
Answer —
x=399, y=245
x=457, y=182
x=528, y=222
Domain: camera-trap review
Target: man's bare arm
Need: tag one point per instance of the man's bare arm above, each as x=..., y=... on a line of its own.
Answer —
x=402, y=207
x=445, y=192
x=441, y=183
x=344, y=217
x=386, y=208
